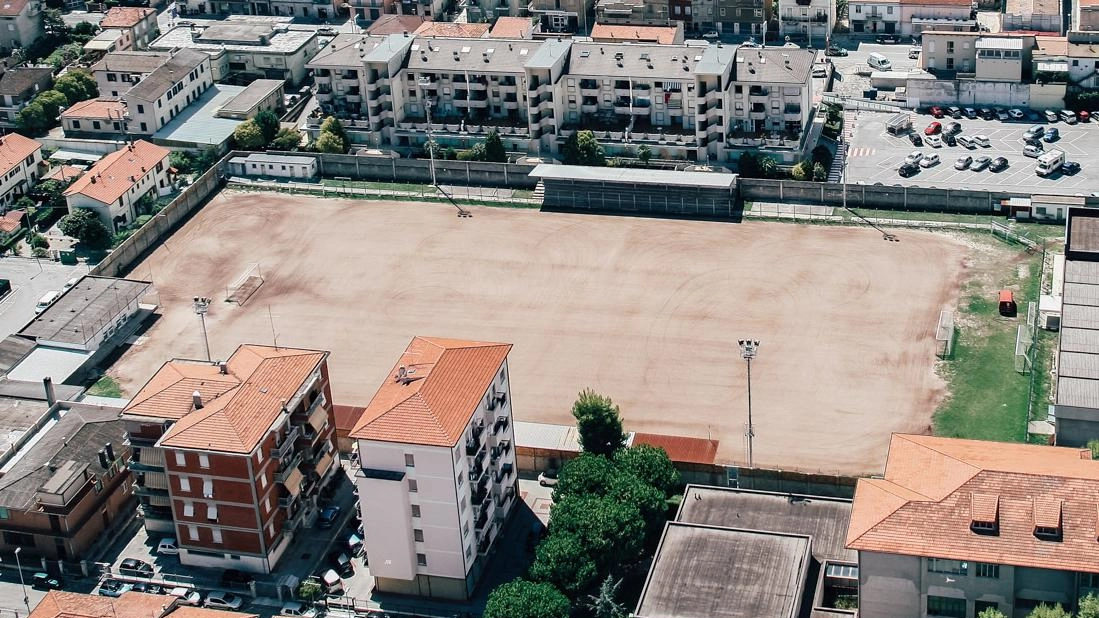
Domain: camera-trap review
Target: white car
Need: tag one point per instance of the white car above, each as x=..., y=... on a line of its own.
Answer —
x=982, y=141
x=913, y=157
x=548, y=478
x=186, y=596
x=1016, y=113
x=712, y=35
x=819, y=70
x=914, y=52
x=963, y=162
x=219, y=599
x=1051, y=116
x=1033, y=151
x=965, y=140
x=167, y=547
x=929, y=160
x=298, y=610
x=934, y=141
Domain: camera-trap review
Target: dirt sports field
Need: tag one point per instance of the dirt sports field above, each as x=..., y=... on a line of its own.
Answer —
x=647, y=311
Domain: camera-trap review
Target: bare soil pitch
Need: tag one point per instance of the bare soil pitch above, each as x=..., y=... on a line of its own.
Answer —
x=646, y=311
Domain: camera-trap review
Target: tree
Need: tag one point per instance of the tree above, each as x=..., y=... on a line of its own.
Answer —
x=1049, y=611
x=650, y=502
x=803, y=170
x=39, y=241
x=84, y=31
x=77, y=85
x=32, y=118
x=330, y=142
x=286, y=139
x=268, y=124
x=309, y=589
x=613, y=532
x=1088, y=607
x=52, y=101
x=206, y=159
x=25, y=203
x=53, y=24
x=85, y=226
x=581, y=148
x=650, y=464
x=768, y=168
x=820, y=172
x=64, y=55
x=603, y=605
x=181, y=160
x=333, y=126
x=51, y=193
x=249, y=136
x=494, y=149
x=645, y=154
x=524, y=599
x=991, y=612
x=747, y=165
x=587, y=474
x=563, y=560
x=599, y=423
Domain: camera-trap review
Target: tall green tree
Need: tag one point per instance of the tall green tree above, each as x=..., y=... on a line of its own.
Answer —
x=581, y=148
x=612, y=531
x=650, y=464
x=77, y=85
x=649, y=501
x=604, y=604
x=249, y=136
x=587, y=474
x=525, y=599
x=268, y=123
x=1088, y=607
x=991, y=612
x=598, y=423
x=1049, y=611
x=52, y=101
x=85, y=226
x=330, y=142
x=644, y=154
x=32, y=118
x=563, y=560
x=333, y=126
x=286, y=139
x=494, y=149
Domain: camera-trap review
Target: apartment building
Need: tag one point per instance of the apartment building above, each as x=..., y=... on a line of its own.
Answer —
x=116, y=72
x=243, y=50
x=17, y=87
x=535, y=94
x=137, y=27
x=635, y=12
x=958, y=526
x=563, y=16
x=20, y=160
x=153, y=88
x=1085, y=15
x=114, y=187
x=20, y=24
x=910, y=17
x=987, y=57
x=309, y=9
x=437, y=479
x=810, y=20
x=229, y=457
x=65, y=481
x=743, y=16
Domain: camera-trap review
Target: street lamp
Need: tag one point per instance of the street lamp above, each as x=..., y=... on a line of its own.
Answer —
x=200, y=306
x=19, y=567
x=748, y=350
x=425, y=83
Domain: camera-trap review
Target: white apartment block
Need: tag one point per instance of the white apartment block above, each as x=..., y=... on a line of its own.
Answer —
x=693, y=101
x=812, y=20
x=20, y=24
x=437, y=477
x=247, y=49
x=910, y=17
x=153, y=87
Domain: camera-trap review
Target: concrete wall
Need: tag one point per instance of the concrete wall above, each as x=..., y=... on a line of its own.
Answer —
x=924, y=92
x=474, y=173
x=874, y=196
x=789, y=481
x=889, y=586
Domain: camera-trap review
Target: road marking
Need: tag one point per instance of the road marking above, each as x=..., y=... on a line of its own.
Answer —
x=861, y=152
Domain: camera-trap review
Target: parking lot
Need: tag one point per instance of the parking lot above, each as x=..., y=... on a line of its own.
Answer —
x=30, y=279
x=875, y=156
x=847, y=82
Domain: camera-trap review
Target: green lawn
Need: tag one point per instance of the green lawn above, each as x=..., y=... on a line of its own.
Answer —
x=105, y=387
x=381, y=186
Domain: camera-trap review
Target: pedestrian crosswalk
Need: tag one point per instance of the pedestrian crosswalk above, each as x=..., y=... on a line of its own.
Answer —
x=862, y=152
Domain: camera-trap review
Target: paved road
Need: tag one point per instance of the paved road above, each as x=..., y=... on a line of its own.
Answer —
x=30, y=280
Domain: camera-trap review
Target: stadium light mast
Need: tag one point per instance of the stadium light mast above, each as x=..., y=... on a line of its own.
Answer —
x=424, y=84
x=201, y=305
x=748, y=350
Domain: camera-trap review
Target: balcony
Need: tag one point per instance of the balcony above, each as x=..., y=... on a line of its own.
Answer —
x=503, y=474
x=480, y=494
x=473, y=447
x=759, y=91
x=290, y=466
x=286, y=502
x=142, y=490
x=482, y=519
x=476, y=431
x=287, y=445
x=501, y=424
x=138, y=466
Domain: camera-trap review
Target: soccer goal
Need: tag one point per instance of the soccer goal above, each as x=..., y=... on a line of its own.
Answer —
x=945, y=333
x=240, y=290
x=1023, y=341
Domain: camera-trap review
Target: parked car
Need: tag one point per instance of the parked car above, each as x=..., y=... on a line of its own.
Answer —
x=114, y=588
x=1068, y=116
x=819, y=70
x=998, y=164
x=909, y=169
x=1083, y=115
x=1035, y=132
x=45, y=581
x=1070, y=168
x=913, y=157
x=1052, y=135
x=970, y=113
x=219, y=599
x=1051, y=116
x=936, y=111
x=980, y=163
x=954, y=112
x=888, y=39
x=929, y=160
x=148, y=588
x=69, y=284
x=1016, y=113
x=328, y=517
x=915, y=139
x=966, y=141
x=297, y=610
x=167, y=547
x=952, y=128
x=1032, y=141
x=232, y=578
x=832, y=50
x=987, y=113
x=5, y=287
x=135, y=568
x=711, y=35
x=933, y=129
x=342, y=563
x=1032, y=151
x=914, y=52
x=981, y=140
x=186, y=596
x=934, y=141
x=963, y=162
x=326, y=31
x=1002, y=115
x=548, y=478
x=950, y=140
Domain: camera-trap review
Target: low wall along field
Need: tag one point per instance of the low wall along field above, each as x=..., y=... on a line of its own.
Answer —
x=646, y=311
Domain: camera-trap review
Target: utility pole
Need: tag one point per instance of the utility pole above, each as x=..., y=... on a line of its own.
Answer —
x=748, y=350
x=201, y=305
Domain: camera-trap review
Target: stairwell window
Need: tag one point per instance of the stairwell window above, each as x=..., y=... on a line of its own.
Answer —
x=418, y=535
x=409, y=460
x=421, y=559
x=415, y=510
x=413, y=487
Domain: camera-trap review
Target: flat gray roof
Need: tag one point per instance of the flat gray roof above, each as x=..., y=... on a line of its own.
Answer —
x=198, y=123
x=262, y=157
x=131, y=61
x=17, y=417
x=823, y=519
x=1083, y=234
x=639, y=61
x=474, y=56
x=706, y=180
x=1078, y=350
x=549, y=53
x=708, y=572
x=280, y=42
x=84, y=309
x=784, y=65
x=46, y=361
x=1079, y=340
x=252, y=94
x=547, y=436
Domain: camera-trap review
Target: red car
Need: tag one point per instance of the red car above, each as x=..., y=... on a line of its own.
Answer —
x=933, y=129
x=1084, y=116
x=937, y=112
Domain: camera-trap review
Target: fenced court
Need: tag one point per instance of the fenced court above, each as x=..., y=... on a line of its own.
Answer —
x=645, y=311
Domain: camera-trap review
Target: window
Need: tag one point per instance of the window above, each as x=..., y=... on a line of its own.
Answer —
x=95, y=125
x=413, y=486
x=267, y=504
x=217, y=534
x=203, y=461
x=188, y=509
x=263, y=481
x=192, y=532
x=184, y=484
x=418, y=535
x=465, y=530
x=4, y=514
x=415, y=510
x=208, y=488
x=469, y=552
x=421, y=559
x=950, y=47
x=888, y=10
x=141, y=109
x=950, y=567
x=76, y=124
x=945, y=606
x=409, y=460
x=858, y=8
x=984, y=569
x=212, y=512
x=111, y=77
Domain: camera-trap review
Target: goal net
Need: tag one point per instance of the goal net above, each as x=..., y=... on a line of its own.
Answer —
x=1023, y=342
x=240, y=290
x=944, y=333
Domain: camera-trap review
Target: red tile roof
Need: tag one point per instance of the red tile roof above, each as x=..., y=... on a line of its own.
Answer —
x=935, y=488
x=13, y=149
x=96, y=108
x=346, y=418
x=61, y=604
x=11, y=221
x=681, y=449
x=189, y=611
x=395, y=24
x=12, y=7
x=111, y=176
x=452, y=29
x=63, y=173
x=623, y=33
x=445, y=382
x=125, y=17
x=238, y=406
x=512, y=28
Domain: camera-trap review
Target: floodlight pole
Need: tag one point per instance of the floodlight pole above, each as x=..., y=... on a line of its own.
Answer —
x=424, y=84
x=22, y=584
x=748, y=350
x=201, y=305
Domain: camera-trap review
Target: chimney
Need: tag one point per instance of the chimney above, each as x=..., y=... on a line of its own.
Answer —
x=51, y=395
x=110, y=451
x=196, y=399
x=103, y=459
x=402, y=373
x=223, y=368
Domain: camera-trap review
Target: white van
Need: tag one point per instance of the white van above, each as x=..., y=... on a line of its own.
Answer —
x=332, y=582
x=879, y=62
x=46, y=301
